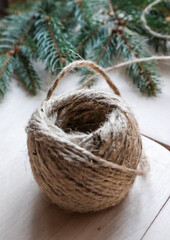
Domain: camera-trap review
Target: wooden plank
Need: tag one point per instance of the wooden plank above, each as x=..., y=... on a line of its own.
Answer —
x=25, y=214
x=133, y=216
x=159, y=230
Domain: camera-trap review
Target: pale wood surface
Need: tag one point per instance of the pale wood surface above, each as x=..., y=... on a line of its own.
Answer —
x=26, y=215
x=160, y=225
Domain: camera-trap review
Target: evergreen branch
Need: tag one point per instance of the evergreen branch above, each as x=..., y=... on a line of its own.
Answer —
x=25, y=34
x=16, y=29
x=99, y=34
x=4, y=65
x=105, y=47
x=26, y=68
x=143, y=74
x=87, y=39
x=29, y=48
x=14, y=37
x=53, y=39
x=53, y=47
x=26, y=73
x=87, y=20
x=99, y=55
x=14, y=42
x=156, y=19
x=143, y=19
x=83, y=12
x=134, y=55
x=82, y=16
x=7, y=68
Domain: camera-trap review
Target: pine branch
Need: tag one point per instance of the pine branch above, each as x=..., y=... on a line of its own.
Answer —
x=15, y=35
x=16, y=28
x=99, y=53
x=143, y=74
x=54, y=41
x=156, y=19
x=29, y=48
x=4, y=65
x=83, y=12
x=128, y=45
x=52, y=44
x=143, y=19
x=79, y=14
x=6, y=70
x=105, y=46
x=87, y=18
x=26, y=73
x=51, y=31
x=83, y=43
x=86, y=73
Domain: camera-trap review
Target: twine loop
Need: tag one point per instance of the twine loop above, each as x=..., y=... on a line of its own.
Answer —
x=144, y=21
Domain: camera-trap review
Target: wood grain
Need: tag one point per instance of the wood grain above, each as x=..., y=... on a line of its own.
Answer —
x=26, y=215
x=160, y=225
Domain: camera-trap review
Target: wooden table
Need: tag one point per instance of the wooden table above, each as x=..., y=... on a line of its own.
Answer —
x=25, y=214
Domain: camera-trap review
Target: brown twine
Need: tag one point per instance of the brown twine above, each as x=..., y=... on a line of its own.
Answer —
x=125, y=64
x=143, y=18
x=84, y=146
x=84, y=63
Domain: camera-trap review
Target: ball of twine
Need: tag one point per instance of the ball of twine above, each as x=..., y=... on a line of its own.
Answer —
x=84, y=146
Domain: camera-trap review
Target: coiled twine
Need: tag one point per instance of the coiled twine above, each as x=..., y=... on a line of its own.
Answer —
x=84, y=147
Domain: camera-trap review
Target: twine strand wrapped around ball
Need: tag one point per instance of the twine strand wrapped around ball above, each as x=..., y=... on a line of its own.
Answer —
x=84, y=146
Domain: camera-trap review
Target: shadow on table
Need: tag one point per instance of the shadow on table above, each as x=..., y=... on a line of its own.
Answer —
x=51, y=222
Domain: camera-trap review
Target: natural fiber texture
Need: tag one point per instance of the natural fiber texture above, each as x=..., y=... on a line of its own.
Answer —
x=143, y=18
x=125, y=64
x=85, y=147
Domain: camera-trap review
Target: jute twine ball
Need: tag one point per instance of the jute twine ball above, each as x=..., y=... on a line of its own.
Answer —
x=84, y=146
